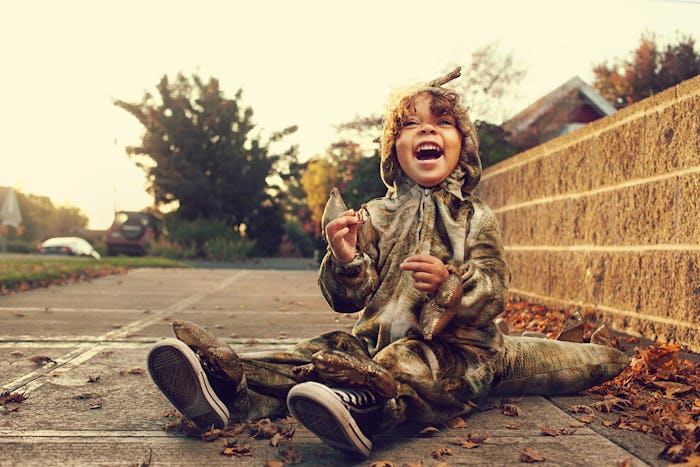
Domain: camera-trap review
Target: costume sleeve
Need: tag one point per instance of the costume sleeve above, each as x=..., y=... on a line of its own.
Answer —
x=347, y=287
x=484, y=275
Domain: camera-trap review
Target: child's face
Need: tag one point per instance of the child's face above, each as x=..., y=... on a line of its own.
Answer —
x=428, y=146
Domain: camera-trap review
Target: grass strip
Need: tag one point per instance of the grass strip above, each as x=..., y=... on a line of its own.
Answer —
x=24, y=274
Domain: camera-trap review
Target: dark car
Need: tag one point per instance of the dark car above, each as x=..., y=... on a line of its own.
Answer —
x=131, y=233
x=71, y=246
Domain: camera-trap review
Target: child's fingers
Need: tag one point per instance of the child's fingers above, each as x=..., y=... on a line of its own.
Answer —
x=422, y=258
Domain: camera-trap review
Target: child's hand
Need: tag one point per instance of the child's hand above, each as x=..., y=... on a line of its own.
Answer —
x=428, y=272
x=341, y=233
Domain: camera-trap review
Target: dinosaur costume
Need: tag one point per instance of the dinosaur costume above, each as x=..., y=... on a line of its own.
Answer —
x=428, y=356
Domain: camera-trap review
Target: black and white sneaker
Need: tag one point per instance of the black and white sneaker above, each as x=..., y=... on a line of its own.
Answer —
x=345, y=419
x=178, y=373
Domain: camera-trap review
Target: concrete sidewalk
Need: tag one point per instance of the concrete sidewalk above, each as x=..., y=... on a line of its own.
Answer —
x=93, y=404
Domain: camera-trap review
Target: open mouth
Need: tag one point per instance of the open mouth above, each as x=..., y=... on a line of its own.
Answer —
x=428, y=152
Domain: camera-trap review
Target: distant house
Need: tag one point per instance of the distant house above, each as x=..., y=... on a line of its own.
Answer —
x=10, y=215
x=568, y=107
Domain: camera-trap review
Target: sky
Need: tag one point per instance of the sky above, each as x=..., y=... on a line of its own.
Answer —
x=313, y=64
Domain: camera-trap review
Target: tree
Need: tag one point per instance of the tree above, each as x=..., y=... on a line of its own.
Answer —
x=41, y=219
x=493, y=143
x=647, y=71
x=199, y=153
x=487, y=81
x=319, y=177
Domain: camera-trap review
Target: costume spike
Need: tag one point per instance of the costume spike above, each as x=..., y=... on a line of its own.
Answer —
x=454, y=74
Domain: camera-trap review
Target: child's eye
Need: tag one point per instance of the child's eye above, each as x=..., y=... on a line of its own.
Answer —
x=446, y=122
x=410, y=123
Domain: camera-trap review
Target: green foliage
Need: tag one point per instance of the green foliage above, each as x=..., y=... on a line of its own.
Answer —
x=268, y=229
x=42, y=220
x=228, y=249
x=493, y=144
x=647, y=71
x=299, y=239
x=199, y=150
x=19, y=246
x=364, y=181
x=192, y=235
x=163, y=248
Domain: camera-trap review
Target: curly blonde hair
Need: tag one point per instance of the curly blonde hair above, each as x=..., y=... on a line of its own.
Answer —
x=443, y=102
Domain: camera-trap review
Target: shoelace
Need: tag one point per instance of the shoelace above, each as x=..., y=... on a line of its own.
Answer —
x=357, y=398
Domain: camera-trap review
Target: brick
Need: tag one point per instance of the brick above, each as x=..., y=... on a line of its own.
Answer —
x=661, y=142
x=688, y=291
x=689, y=209
x=534, y=182
x=686, y=133
x=568, y=271
x=520, y=226
x=617, y=154
x=645, y=214
x=530, y=270
x=569, y=169
x=552, y=225
x=492, y=190
x=592, y=219
x=660, y=277
x=619, y=274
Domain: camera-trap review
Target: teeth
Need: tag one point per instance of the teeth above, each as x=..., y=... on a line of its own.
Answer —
x=428, y=147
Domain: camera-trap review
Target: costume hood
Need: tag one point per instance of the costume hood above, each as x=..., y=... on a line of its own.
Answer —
x=467, y=174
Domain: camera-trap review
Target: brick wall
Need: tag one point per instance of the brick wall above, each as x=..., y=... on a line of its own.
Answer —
x=608, y=217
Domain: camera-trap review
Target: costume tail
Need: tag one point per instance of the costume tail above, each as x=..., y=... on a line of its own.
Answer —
x=540, y=366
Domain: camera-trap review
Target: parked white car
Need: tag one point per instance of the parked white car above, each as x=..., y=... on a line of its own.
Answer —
x=71, y=246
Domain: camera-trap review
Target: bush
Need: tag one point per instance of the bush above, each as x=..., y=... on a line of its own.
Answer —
x=19, y=246
x=228, y=249
x=192, y=235
x=165, y=249
x=300, y=239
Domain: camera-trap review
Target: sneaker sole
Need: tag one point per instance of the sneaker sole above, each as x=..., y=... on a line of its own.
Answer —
x=318, y=408
x=179, y=375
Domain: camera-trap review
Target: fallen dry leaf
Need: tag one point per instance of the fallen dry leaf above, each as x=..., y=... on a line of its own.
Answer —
x=41, y=359
x=440, y=453
x=232, y=448
x=610, y=403
x=465, y=443
x=530, y=455
x=580, y=409
x=7, y=397
x=427, y=432
x=457, y=422
x=288, y=453
x=511, y=410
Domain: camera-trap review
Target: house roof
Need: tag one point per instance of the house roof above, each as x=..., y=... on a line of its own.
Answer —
x=525, y=118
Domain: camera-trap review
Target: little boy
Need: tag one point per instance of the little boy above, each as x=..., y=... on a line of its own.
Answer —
x=424, y=265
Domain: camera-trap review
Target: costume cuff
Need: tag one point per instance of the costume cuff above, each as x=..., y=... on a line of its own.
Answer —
x=348, y=273
x=449, y=294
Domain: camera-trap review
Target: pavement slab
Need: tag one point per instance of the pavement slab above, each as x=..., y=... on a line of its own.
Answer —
x=93, y=403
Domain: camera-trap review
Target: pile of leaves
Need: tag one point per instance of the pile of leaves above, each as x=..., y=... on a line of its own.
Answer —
x=657, y=394
x=279, y=432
